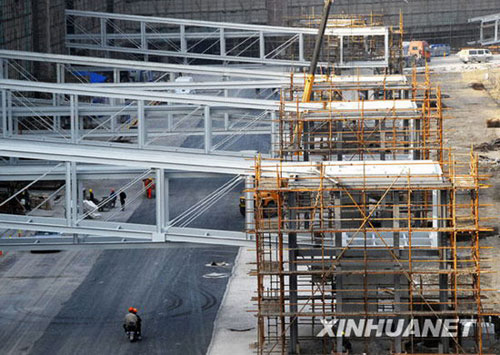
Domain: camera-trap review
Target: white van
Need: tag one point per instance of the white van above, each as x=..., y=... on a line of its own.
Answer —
x=475, y=55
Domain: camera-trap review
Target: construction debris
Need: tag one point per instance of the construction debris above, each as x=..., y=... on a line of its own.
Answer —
x=488, y=146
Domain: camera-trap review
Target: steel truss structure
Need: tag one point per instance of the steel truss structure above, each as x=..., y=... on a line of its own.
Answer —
x=489, y=29
x=367, y=215
x=217, y=41
x=86, y=231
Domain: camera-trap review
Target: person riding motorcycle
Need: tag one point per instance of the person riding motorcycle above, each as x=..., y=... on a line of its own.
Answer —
x=132, y=322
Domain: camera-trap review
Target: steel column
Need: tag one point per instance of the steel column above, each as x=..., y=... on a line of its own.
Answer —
x=208, y=130
x=67, y=194
x=182, y=30
x=4, y=113
x=161, y=197
x=141, y=123
x=104, y=39
x=73, y=102
x=74, y=197
x=144, y=42
x=10, y=123
x=249, y=204
x=301, y=47
x=3, y=65
x=341, y=39
x=222, y=40
x=274, y=137
x=262, y=45
x=386, y=47
x=496, y=30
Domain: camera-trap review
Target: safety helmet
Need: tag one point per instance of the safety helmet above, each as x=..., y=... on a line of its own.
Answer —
x=135, y=310
x=90, y=190
x=132, y=310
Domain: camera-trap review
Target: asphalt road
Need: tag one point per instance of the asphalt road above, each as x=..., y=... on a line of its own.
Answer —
x=178, y=305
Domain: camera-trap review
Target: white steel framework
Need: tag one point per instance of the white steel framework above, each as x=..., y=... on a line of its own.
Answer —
x=488, y=30
x=215, y=41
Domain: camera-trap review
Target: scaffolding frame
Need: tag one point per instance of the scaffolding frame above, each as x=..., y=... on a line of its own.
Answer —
x=410, y=132
x=325, y=223
x=349, y=223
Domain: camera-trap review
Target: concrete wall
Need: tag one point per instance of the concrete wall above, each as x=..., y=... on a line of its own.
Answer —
x=443, y=21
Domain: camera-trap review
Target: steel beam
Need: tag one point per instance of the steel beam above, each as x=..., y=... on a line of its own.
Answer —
x=141, y=65
x=203, y=100
x=126, y=156
x=102, y=232
x=30, y=172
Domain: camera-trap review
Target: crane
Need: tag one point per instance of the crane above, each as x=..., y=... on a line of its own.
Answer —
x=309, y=81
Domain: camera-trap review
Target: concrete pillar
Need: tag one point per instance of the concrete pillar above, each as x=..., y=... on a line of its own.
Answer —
x=444, y=254
x=382, y=139
x=415, y=138
x=338, y=244
x=339, y=128
x=397, y=267
x=292, y=267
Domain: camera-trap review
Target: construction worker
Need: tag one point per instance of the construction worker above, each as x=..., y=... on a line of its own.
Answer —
x=92, y=197
x=123, y=196
x=132, y=322
x=149, y=185
x=112, y=197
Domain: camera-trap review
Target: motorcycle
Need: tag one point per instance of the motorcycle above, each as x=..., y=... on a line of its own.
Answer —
x=133, y=335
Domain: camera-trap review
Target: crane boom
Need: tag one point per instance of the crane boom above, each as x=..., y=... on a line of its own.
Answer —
x=301, y=129
x=306, y=96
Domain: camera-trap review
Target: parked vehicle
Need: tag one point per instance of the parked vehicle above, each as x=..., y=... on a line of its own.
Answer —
x=419, y=49
x=440, y=50
x=475, y=55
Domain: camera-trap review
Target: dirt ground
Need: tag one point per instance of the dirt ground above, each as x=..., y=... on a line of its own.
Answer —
x=469, y=109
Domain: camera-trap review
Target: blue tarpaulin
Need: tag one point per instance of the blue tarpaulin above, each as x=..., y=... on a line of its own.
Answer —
x=93, y=77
